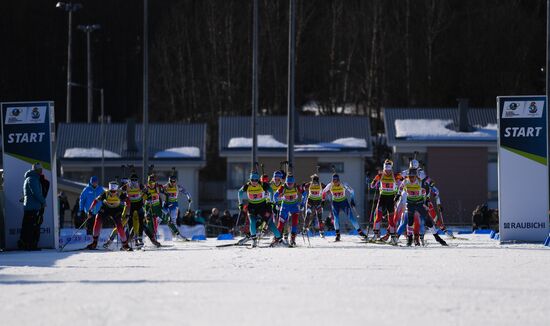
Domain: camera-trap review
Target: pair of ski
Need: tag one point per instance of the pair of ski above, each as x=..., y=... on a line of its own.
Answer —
x=244, y=242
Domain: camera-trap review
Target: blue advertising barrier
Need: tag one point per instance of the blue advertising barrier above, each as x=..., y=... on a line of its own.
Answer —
x=225, y=236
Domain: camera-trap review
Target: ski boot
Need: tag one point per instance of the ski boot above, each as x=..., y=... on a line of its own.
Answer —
x=322, y=234
x=107, y=243
x=276, y=242
x=155, y=242
x=376, y=236
x=385, y=237
x=393, y=239
x=337, y=239
x=363, y=236
x=441, y=241
x=244, y=240
x=409, y=240
x=417, y=240
x=422, y=241
x=449, y=233
x=285, y=238
x=254, y=241
x=92, y=245
x=139, y=243
x=126, y=247
x=292, y=242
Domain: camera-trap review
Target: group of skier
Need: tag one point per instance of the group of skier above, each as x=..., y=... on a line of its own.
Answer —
x=136, y=209
x=409, y=201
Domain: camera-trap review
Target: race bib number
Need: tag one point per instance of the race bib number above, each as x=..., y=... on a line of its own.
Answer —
x=339, y=194
x=255, y=196
x=413, y=193
x=154, y=199
x=388, y=186
x=290, y=197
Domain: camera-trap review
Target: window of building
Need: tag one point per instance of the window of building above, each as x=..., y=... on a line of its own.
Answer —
x=237, y=174
x=326, y=167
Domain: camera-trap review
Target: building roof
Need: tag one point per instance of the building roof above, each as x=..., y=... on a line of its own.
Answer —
x=314, y=134
x=83, y=141
x=437, y=127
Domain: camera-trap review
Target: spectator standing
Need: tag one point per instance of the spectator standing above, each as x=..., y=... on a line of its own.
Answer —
x=63, y=203
x=199, y=219
x=214, y=223
x=34, y=202
x=77, y=222
x=227, y=220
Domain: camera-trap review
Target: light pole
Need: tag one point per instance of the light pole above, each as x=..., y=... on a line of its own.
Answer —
x=291, y=78
x=70, y=8
x=145, y=92
x=88, y=29
x=102, y=130
x=254, y=83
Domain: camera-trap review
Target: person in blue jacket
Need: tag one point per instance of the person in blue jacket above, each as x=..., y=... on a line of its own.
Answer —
x=33, y=203
x=87, y=196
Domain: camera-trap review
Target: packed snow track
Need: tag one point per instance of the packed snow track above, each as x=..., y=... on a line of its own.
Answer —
x=475, y=281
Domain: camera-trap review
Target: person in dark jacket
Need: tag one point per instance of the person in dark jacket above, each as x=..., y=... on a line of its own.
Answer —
x=227, y=220
x=33, y=203
x=214, y=226
x=63, y=206
x=89, y=193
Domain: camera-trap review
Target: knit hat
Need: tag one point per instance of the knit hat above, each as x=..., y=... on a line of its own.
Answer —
x=37, y=167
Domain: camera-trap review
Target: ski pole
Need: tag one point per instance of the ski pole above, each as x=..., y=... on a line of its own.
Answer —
x=372, y=210
x=74, y=233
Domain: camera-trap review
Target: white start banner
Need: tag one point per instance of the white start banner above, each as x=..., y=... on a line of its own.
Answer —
x=27, y=138
x=522, y=168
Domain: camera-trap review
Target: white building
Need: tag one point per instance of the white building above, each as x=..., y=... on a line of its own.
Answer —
x=324, y=141
x=179, y=145
x=458, y=149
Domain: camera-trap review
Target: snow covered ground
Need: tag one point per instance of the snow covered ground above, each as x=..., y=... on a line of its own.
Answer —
x=473, y=282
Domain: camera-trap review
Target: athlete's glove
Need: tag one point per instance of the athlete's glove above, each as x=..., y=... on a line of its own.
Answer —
x=440, y=208
x=352, y=203
x=189, y=200
x=241, y=207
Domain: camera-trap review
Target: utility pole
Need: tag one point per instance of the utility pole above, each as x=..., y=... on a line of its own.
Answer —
x=145, y=93
x=291, y=79
x=70, y=8
x=88, y=29
x=255, y=31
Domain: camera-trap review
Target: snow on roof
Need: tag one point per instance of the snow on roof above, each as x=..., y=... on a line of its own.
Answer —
x=268, y=141
x=436, y=129
x=179, y=152
x=351, y=142
x=78, y=152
